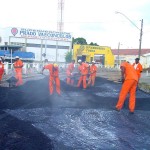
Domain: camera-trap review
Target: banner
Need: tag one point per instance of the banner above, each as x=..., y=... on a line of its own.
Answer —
x=40, y=34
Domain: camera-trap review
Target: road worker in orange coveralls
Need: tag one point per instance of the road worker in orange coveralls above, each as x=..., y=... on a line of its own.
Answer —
x=53, y=78
x=129, y=80
x=83, y=69
x=69, y=71
x=18, y=64
x=138, y=67
x=93, y=70
x=1, y=69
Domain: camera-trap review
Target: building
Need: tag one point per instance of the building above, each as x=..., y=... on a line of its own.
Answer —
x=9, y=52
x=130, y=55
x=44, y=44
x=88, y=53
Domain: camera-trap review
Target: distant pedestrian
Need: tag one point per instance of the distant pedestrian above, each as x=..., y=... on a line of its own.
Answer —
x=18, y=65
x=83, y=70
x=3, y=59
x=69, y=73
x=129, y=80
x=138, y=67
x=93, y=71
x=1, y=70
x=53, y=78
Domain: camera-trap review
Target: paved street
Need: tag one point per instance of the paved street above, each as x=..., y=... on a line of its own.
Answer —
x=79, y=119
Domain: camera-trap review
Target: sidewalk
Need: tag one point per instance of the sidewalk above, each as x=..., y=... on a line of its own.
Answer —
x=144, y=82
x=115, y=75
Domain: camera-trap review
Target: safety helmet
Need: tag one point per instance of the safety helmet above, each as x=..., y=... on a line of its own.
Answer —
x=93, y=61
x=17, y=57
x=55, y=65
x=79, y=61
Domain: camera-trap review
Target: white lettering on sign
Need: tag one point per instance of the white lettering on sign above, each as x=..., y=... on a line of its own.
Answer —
x=43, y=34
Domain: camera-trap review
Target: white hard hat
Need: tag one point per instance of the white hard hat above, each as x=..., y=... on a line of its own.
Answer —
x=17, y=57
x=93, y=61
x=79, y=60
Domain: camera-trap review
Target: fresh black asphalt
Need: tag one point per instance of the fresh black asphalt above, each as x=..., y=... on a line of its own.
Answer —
x=31, y=119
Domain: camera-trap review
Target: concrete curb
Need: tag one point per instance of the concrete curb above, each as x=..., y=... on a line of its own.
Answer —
x=144, y=87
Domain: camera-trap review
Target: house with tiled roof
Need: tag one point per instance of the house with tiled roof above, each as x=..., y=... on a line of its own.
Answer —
x=130, y=55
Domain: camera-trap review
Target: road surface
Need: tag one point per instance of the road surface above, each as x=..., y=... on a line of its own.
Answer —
x=78, y=119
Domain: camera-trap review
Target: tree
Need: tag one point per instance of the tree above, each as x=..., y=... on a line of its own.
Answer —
x=68, y=56
x=95, y=44
x=82, y=41
x=79, y=40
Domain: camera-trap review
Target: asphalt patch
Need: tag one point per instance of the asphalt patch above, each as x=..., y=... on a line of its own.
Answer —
x=18, y=130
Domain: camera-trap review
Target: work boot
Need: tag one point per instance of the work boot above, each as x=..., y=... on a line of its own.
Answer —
x=131, y=112
x=116, y=109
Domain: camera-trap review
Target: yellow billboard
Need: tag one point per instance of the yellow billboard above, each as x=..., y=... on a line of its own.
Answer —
x=88, y=53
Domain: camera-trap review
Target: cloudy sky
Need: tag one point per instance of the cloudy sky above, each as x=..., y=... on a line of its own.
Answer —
x=94, y=20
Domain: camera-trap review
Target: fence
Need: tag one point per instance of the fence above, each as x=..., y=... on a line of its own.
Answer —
x=36, y=67
x=30, y=68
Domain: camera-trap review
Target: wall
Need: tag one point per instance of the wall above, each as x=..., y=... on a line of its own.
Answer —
x=144, y=60
x=90, y=51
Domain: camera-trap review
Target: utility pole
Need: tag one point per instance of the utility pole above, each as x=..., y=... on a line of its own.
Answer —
x=141, y=32
x=140, y=40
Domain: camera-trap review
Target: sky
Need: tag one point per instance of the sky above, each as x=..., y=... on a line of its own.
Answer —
x=94, y=20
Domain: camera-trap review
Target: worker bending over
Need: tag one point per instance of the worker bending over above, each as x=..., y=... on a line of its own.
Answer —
x=83, y=70
x=18, y=64
x=93, y=70
x=129, y=80
x=69, y=72
x=53, y=78
x=1, y=69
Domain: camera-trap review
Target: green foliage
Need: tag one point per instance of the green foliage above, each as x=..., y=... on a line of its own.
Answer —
x=68, y=56
x=94, y=44
x=82, y=41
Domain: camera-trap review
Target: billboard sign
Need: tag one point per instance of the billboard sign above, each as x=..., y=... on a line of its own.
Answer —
x=40, y=34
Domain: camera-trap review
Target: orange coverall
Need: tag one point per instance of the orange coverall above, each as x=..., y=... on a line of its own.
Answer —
x=1, y=70
x=53, y=78
x=129, y=86
x=93, y=70
x=69, y=73
x=138, y=69
x=83, y=68
x=18, y=69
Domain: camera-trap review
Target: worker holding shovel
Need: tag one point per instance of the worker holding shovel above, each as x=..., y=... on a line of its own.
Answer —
x=53, y=78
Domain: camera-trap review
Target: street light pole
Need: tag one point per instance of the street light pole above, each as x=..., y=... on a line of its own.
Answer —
x=140, y=40
x=141, y=32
